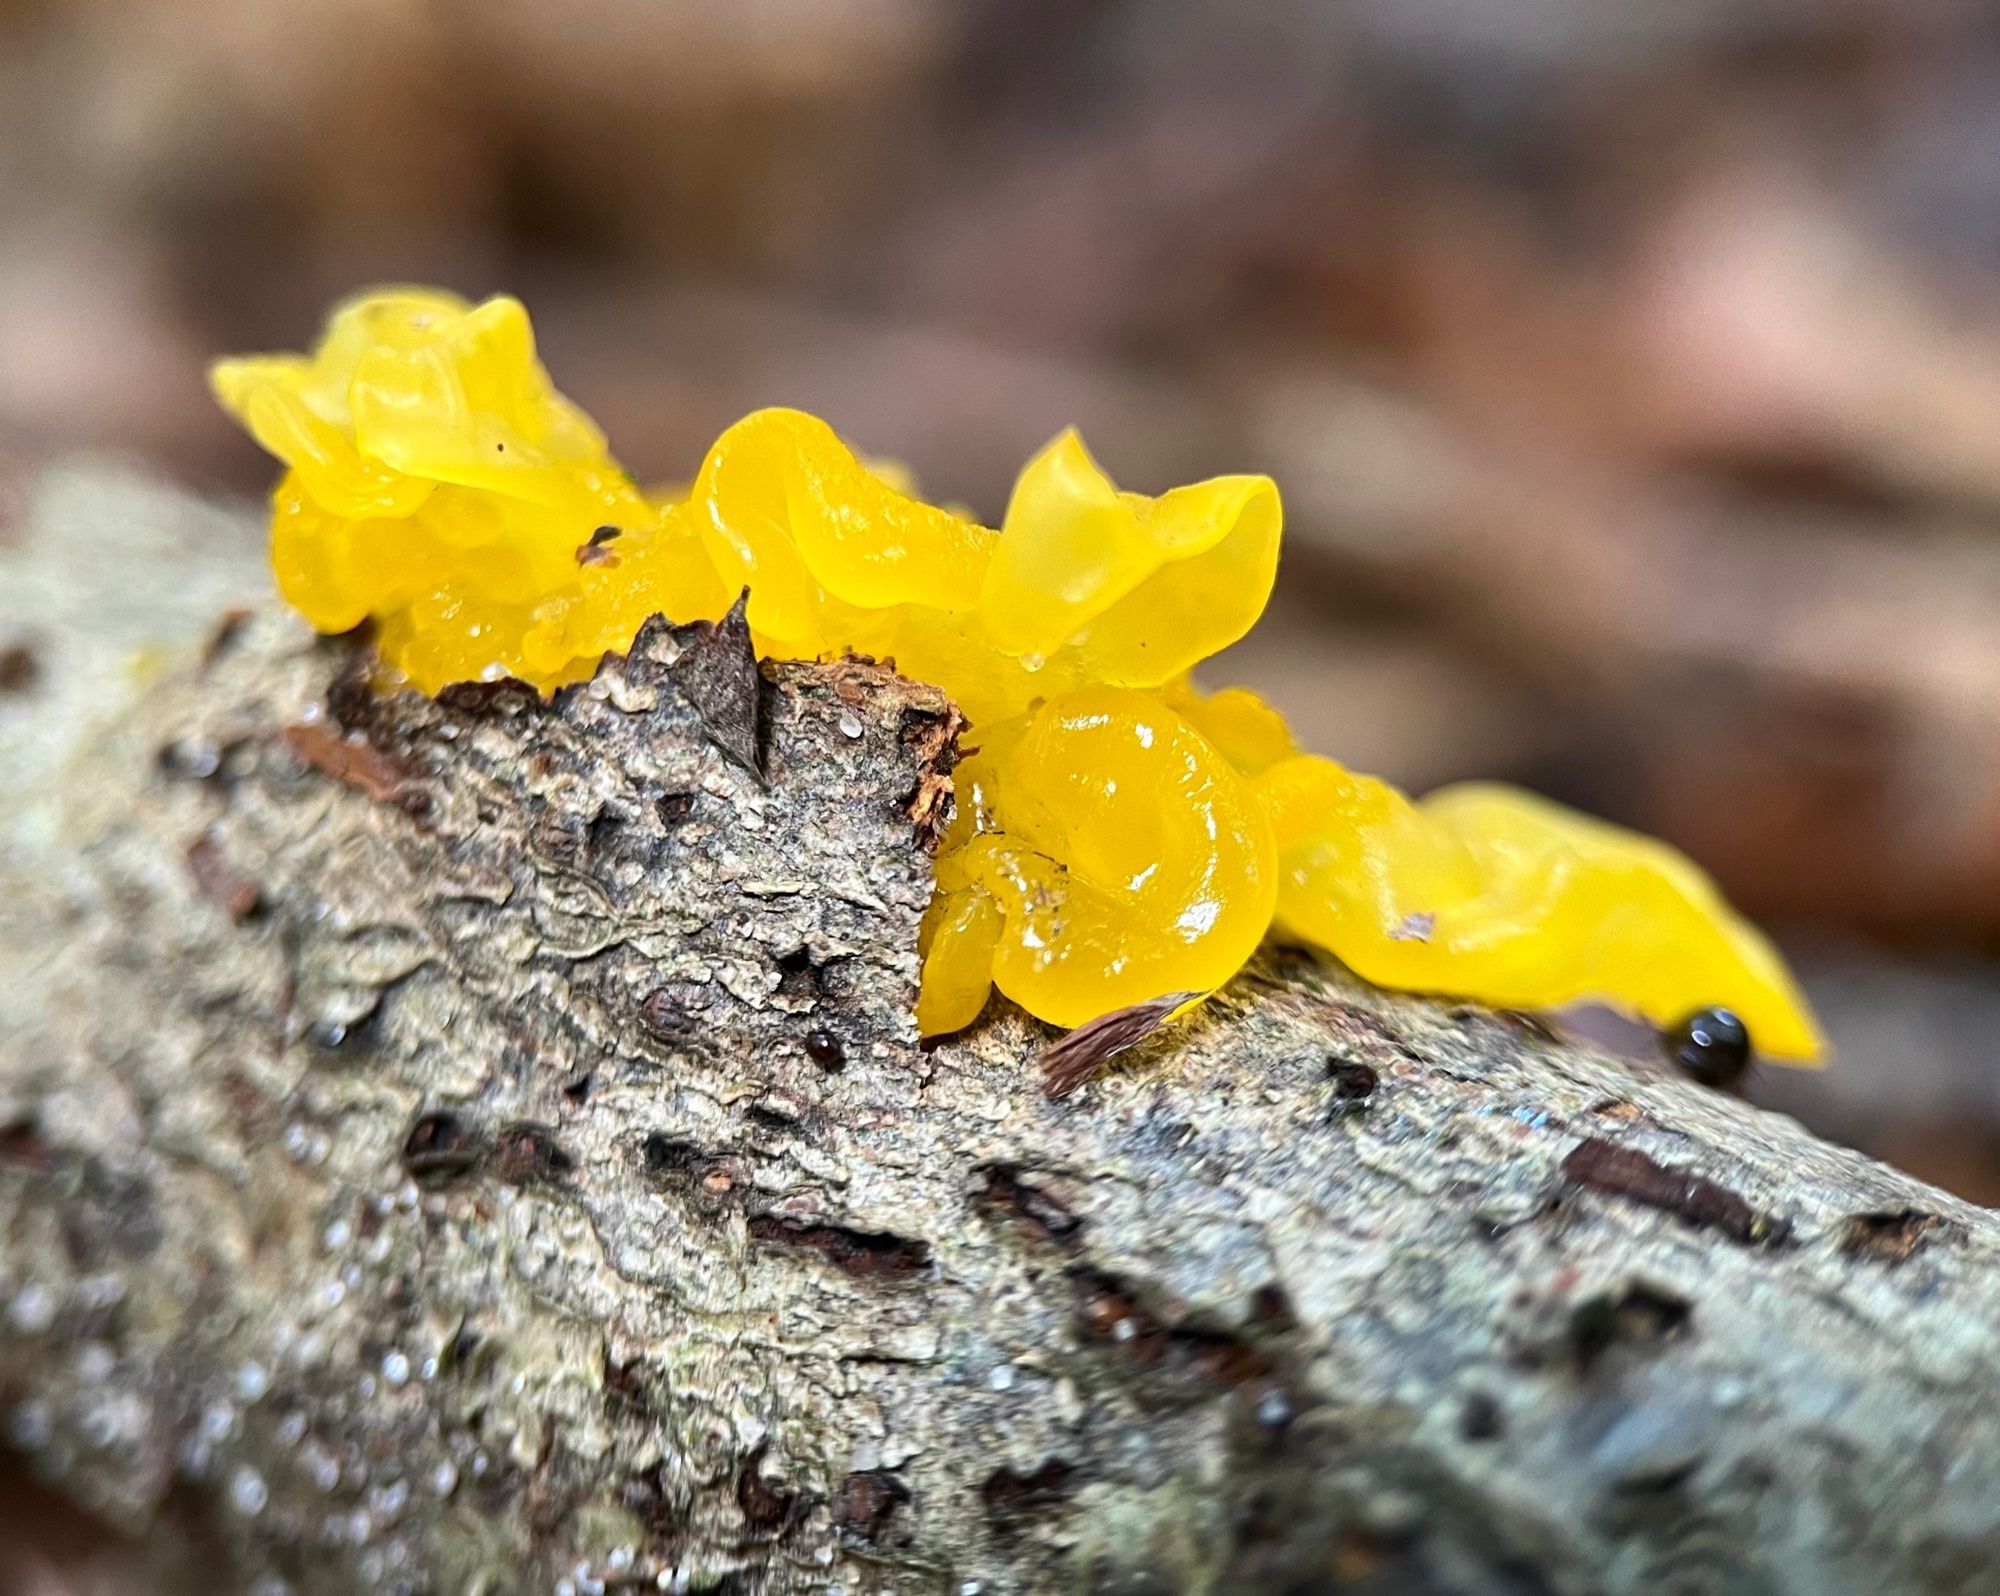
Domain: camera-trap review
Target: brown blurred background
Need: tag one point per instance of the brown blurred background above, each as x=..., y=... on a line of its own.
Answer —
x=1632, y=370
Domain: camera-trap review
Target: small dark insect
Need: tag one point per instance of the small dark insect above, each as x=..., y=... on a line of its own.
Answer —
x=824, y=1049
x=604, y=535
x=1711, y=1046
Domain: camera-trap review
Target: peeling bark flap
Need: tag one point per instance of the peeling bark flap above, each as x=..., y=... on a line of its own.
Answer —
x=717, y=674
x=1070, y=1062
x=1695, y=1199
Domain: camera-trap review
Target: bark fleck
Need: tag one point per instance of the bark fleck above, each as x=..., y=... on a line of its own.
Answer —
x=1600, y=1165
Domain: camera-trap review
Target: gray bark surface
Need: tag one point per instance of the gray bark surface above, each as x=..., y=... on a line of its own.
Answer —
x=482, y=1145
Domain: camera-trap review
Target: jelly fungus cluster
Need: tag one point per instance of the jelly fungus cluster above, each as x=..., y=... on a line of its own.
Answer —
x=1119, y=834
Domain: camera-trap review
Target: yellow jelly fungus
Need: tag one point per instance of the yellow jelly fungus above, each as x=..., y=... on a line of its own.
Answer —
x=1100, y=813
x=437, y=482
x=1081, y=585
x=1497, y=894
x=1119, y=836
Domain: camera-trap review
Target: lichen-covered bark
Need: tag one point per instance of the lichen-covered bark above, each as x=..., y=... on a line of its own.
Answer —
x=482, y=1145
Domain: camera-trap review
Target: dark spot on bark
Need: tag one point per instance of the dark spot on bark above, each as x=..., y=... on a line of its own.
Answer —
x=19, y=669
x=1227, y=1359
x=1007, y=1191
x=1353, y=1083
x=217, y=881
x=798, y=976
x=1077, y=1058
x=603, y=831
x=1639, y=1316
x=351, y=698
x=652, y=1499
x=228, y=628
x=1482, y=1418
x=691, y=1170
x=717, y=674
x=439, y=1148
x=1891, y=1237
x=1011, y=1497
x=776, y=1112
x=503, y=698
x=766, y=1507
x=674, y=809
x=867, y=1503
x=666, y=1156
x=1162, y=1132
x=1390, y=1560
x=578, y=1087
x=824, y=1049
x=1493, y=1229
x=844, y=981
x=464, y=1352
x=625, y=1383
x=22, y=1142
x=1272, y=1309
x=1110, y=1311
x=864, y=1255
x=1599, y=1165
x=525, y=1152
x=673, y=1011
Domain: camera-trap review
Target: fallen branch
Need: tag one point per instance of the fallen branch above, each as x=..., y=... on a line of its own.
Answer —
x=483, y=1144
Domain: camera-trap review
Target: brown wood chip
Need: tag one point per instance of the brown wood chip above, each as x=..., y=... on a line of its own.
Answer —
x=347, y=759
x=1079, y=1056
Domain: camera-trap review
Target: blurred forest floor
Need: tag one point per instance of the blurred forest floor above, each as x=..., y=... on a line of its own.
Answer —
x=1632, y=371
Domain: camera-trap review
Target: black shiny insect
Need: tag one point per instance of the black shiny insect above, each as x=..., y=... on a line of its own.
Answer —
x=824, y=1049
x=1711, y=1046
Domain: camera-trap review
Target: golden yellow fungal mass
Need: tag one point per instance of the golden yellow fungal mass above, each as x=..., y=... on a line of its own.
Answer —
x=1119, y=835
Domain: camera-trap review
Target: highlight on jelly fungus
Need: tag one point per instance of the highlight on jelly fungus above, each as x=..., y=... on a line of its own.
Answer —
x=1119, y=834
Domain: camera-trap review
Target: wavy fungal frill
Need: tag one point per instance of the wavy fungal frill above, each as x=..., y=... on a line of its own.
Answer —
x=1119, y=835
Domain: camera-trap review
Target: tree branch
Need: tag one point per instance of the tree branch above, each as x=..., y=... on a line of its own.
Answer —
x=476, y=1144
